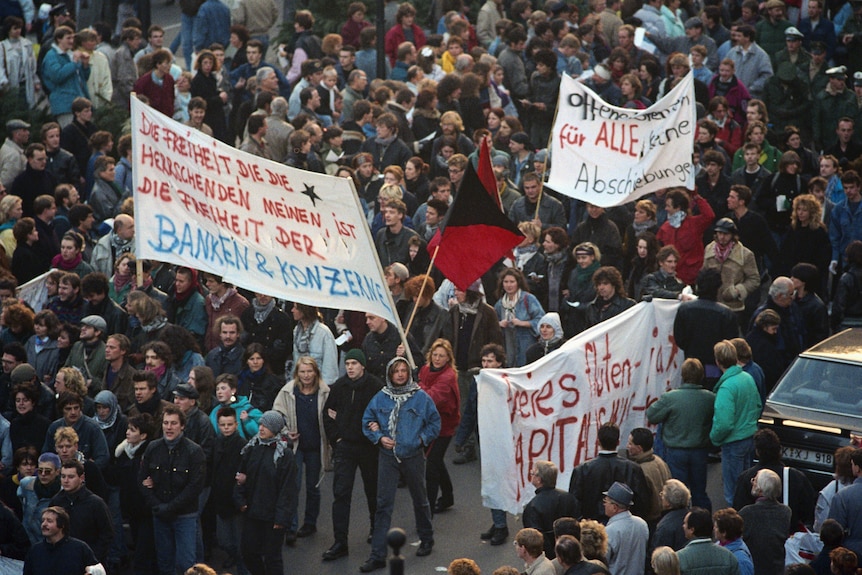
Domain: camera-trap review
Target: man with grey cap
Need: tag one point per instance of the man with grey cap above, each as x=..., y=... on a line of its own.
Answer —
x=627, y=533
x=694, y=36
x=12, y=158
x=342, y=420
x=88, y=353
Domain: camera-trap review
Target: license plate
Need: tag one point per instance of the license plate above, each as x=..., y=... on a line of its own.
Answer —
x=807, y=456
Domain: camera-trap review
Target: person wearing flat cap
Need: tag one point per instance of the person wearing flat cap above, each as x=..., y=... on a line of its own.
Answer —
x=198, y=426
x=88, y=353
x=12, y=158
x=830, y=105
x=627, y=533
x=770, y=30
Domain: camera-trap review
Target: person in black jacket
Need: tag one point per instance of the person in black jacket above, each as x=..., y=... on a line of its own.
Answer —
x=88, y=514
x=14, y=542
x=382, y=343
x=171, y=477
x=591, y=478
x=226, y=462
x=342, y=421
x=59, y=553
x=27, y=262
x=267, y=494
x=611, y=297
x=265, y=324
x=549, y=504
x=257, y=381
x=387, y=148
x=550, y=337
x=123, y=472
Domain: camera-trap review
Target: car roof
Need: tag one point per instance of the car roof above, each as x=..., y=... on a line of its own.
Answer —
x=844, y=346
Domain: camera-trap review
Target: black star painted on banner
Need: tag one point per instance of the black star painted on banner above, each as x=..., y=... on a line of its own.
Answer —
x=309, y=191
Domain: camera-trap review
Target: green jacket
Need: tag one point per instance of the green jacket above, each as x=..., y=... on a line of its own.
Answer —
x=686, y=414
x=737, y=407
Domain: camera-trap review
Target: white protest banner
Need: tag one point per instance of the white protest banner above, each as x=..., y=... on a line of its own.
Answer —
x=609, y=156
x=34, y=291
x=261, y=225
x=552, y=409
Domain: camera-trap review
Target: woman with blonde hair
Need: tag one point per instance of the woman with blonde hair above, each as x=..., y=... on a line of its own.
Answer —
x=807, y=240
x=11, y=208
x=71, y=379
x=301, y=401
x=664, y=561
x=594, y=541
x=439, y=379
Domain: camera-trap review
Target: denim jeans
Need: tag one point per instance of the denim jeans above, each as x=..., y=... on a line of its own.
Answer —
x=690, y=467
x=346, y=458
x=736, y=457
x=175, y=543
x=388, y=471
x=186, y=36
x=311, y=461
x=499, y=518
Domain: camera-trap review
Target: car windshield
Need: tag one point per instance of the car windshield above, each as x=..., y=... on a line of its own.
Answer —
x=821, y=385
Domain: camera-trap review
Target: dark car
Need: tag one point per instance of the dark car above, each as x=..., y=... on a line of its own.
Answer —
x=816, y=407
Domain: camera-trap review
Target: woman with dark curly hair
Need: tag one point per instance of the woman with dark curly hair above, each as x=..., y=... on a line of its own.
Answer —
x=17, y=324
x=185, y=351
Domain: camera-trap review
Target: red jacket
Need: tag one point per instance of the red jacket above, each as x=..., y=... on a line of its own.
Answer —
x=161, y=97
x=442, y=386
x=688, y=239
x=395, y=37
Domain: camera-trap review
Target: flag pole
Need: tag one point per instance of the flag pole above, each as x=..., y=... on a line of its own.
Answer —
x=422, y=288
x=548, y=155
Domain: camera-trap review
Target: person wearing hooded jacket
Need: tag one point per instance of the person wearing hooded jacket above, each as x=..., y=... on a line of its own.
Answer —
x=266, y=494
x=550, y=337
x=403, y=420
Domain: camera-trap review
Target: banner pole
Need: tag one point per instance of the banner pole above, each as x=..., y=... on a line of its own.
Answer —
x=422, y=288
x=548, y=155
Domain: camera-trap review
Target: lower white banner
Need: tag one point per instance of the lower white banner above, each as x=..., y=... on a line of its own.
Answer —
x=552, y=409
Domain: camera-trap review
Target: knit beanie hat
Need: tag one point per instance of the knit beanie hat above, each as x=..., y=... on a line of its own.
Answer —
x=272, y=420
x=356, y=354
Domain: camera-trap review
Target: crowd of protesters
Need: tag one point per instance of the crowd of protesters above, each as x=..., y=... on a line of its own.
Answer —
x=113, y=378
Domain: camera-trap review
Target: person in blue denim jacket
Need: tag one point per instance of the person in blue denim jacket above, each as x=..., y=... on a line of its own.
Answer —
x=403, y=421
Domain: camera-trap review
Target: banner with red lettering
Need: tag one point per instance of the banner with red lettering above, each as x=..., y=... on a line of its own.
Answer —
x=552, y=409
x=609, y=156
x=261, y=225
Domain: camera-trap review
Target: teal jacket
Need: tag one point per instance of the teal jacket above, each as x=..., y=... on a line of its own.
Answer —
x=737, y=407
x=686, y=414
x=248, y=428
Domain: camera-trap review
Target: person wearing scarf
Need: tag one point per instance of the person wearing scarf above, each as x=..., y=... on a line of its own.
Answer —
x=403, y=421
x=550, y=337
x=70, y=258
x=121, y=283
x=738, y=266
x=518, y=312
x=266, y=324
x=186, y=308
x=580, y=285
x=222, y=300
x=266, y=494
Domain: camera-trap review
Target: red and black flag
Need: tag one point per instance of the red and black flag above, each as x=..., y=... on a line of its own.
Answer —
x=475, y=233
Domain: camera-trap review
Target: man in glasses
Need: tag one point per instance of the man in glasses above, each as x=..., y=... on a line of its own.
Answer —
x=34, y=499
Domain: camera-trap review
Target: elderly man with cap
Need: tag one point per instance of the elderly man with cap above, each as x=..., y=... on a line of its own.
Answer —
x=88, y=353
x=694, y=36
x=342, y=420
x=770, y=30
x=737, y=264
x=12, y=158
x=627, y=533
x=830, y=105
